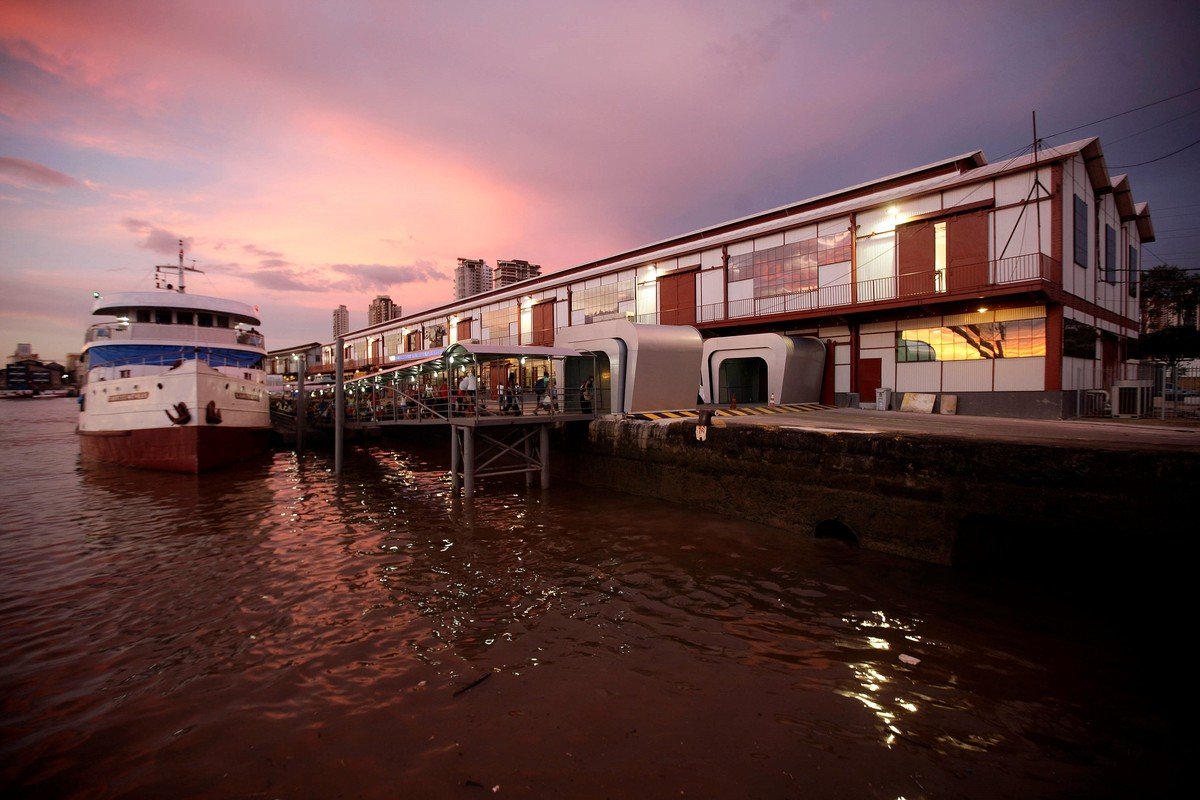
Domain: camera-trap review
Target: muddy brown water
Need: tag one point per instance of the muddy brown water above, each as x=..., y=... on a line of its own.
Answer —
x=265, y=632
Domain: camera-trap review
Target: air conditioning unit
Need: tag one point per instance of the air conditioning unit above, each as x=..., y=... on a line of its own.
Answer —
x=1132, y=399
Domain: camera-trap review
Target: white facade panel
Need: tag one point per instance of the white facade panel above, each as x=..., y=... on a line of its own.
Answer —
x=834, y=225
x=909, y=207
x=834, y=280
x=710, y=258
x=967, y=376
x=962, y=195
x=874, y=220
x=839, y=332
x=1020, y=233
x=741, y=248
x=1016, y=188
x=877, y=327
x=876, y=267
x=741, y=290
x=841, y=378
x=1020, y=374
x=667, y=265
x=799, y=234
x=868, y=340
x=711, y=287
x=765, y=242
x=925, y=376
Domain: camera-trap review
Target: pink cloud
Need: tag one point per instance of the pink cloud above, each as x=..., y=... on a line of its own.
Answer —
x=22, y=173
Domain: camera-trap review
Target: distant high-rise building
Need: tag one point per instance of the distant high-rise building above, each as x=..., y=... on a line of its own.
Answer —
x=512, y=271
x=382, y=309
x=472, y=276
x=341, y=321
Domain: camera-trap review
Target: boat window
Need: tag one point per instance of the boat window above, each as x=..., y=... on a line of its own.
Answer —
x=162, y=316
x=204, y=320
x=222, y=321
x=183, y=317
x=143, y=315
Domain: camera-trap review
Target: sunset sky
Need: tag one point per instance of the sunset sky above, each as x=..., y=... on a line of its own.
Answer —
x=318, y=153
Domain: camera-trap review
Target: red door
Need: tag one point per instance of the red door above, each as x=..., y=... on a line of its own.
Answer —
x=967, y=251
x=543, y=324
x=677, y=299
x=870, y=378
x=916, y=258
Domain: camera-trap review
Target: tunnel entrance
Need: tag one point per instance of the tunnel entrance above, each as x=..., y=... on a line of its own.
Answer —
x=744, y=378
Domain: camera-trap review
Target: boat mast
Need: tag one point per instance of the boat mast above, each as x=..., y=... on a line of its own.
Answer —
x=179, y=270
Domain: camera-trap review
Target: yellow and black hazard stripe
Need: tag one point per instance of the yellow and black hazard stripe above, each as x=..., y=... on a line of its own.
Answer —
x=743, y=411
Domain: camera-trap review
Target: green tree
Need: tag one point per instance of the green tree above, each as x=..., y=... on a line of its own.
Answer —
x=1170, y=299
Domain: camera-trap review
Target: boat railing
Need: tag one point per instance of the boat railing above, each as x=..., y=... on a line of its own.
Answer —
x=175, y=358
x=126, y=331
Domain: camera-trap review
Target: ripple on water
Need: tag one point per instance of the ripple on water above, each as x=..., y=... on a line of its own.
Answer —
x=266, y=629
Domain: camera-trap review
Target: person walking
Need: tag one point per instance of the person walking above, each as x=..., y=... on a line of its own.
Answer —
x=585, y=396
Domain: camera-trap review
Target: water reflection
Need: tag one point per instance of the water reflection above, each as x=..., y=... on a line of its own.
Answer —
x=271, y=631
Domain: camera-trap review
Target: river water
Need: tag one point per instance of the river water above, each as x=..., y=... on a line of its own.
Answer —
x=265, y=632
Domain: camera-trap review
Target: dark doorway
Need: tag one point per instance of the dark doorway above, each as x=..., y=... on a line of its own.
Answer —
x=744, y=378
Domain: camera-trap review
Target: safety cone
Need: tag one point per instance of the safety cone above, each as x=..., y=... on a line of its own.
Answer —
x=771, y=402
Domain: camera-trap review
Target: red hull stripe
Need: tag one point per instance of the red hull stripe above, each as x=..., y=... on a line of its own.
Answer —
x=188, y=448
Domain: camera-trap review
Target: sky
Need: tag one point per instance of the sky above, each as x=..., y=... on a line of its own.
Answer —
x=312, y=154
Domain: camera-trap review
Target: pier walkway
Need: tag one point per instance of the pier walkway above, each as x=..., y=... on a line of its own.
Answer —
x=1087, y=434
x=498, y=403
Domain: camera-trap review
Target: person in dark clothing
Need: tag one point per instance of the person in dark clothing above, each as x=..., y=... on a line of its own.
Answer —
x=585, y=396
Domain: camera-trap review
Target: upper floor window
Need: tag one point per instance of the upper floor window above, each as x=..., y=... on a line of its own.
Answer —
x=1133, y=271
x=1081, y=232
x=1110, y=254
x=162, y=316
x=600, y=302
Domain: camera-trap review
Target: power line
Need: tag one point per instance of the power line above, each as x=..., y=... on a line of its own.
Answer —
x=1153, y=127
x=1123, y=113
x=1160, y=158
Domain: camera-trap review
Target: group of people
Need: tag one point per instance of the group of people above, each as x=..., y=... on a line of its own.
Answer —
x=420, y=401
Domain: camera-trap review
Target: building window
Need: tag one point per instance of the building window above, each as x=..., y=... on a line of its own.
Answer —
x=601, y=302
x=1110, y=254
x=779, y=270
x=1081, y=232
x=1133, y=271
x=1021, y=338
x=1079, y=340
x=939, y=256
x=500, y=324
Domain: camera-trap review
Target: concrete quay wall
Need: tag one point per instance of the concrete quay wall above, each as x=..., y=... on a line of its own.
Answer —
x=939, y=499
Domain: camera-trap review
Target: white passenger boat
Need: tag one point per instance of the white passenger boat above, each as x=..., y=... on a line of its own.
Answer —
x=176, y=382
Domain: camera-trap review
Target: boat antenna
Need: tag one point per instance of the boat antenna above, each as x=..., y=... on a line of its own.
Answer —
x=179, y=270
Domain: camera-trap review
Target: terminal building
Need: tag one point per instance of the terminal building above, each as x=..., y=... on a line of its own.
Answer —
x=1011, y=286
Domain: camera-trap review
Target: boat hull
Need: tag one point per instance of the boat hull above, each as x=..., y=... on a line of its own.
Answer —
x=189, y=418
x=175, y=449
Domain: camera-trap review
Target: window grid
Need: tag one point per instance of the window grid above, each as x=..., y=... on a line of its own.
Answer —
x=1025, y=338
x=791, y=267
x=602, y=301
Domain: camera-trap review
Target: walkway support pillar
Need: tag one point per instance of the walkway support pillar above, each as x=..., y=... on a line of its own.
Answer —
x=339, y=407
x=455, y=462
x=529, y=460
x=468, y=462
x=301, y=406
x=544, y=447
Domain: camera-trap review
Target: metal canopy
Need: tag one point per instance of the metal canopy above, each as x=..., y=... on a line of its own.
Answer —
x=511, y=351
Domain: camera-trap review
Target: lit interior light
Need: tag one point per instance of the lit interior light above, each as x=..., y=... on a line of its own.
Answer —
x=983, y=309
